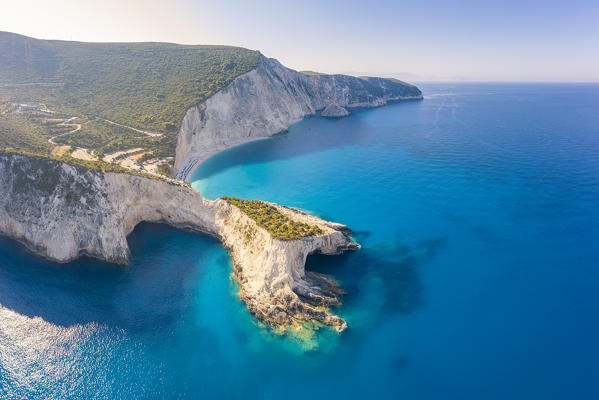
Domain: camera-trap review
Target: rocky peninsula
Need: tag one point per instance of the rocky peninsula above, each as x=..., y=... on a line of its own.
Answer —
x=62, y=211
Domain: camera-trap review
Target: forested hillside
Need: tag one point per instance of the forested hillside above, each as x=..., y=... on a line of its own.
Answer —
x=49, y=89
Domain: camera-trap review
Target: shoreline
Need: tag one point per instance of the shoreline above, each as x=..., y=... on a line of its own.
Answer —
x=209, y=154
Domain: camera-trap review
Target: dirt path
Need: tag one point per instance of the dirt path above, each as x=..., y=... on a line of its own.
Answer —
x=152, y=134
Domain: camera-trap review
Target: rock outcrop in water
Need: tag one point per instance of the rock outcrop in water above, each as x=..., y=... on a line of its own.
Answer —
x=266, y=101
x=62, y=211
x=334, y=110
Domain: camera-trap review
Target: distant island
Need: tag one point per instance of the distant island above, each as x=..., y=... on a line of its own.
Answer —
x=98, y=137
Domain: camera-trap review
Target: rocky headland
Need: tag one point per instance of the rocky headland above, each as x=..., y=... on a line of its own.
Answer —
x=269, y=99
x=62, y=211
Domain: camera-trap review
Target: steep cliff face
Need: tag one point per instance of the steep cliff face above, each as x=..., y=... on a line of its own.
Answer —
x=283, y=295
x=266, y=101
x=61, y=211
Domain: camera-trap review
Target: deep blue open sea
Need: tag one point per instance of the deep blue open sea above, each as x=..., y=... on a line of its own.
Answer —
x=478, y=212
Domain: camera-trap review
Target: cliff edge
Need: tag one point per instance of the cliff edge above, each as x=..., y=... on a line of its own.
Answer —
x=63, y=211
x=266, y=101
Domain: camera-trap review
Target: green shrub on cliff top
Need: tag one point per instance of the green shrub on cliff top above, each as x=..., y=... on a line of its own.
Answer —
x=271, y=219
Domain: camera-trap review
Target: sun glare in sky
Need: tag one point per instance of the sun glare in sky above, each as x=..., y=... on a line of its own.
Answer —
x=430, y=40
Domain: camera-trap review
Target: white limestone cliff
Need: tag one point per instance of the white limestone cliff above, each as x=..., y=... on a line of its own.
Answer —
x=266, y=101
x=61, y=211
x=271, y=274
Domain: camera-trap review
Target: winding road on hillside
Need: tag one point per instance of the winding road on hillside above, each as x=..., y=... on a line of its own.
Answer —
x=66, y=122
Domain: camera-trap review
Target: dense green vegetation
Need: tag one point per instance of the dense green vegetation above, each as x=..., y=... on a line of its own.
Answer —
x=147, y=86
x=19, y=131
x=271, y=219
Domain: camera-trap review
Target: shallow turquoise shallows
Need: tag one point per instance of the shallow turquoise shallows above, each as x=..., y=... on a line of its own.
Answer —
x=478, y=212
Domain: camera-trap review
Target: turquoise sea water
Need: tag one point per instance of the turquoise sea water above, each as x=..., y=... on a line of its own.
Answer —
x=478, y=212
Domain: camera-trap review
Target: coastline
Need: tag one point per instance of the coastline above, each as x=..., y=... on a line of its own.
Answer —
x=268, y=100
x=209, y=154
x=186, y=174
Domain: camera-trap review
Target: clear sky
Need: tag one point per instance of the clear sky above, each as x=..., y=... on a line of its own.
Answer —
x=508, y=40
